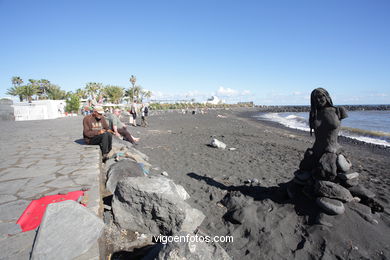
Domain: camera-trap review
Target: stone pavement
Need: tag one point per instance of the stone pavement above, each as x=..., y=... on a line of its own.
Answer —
x=40, y=158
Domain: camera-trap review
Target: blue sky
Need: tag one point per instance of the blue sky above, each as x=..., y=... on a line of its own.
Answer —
x=269, y=52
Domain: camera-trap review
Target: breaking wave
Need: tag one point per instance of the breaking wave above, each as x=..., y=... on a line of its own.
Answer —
x=300, y=121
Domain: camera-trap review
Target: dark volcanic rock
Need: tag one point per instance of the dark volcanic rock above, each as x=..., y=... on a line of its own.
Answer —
x=328, y=165
x=333, y=191
x=361, y=192
x=331, y=206
x=343, y=164
x=122, y=169
x=154, y=205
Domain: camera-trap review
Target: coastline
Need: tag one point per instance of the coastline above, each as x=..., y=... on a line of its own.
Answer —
x=306, y=108
x=343, y=140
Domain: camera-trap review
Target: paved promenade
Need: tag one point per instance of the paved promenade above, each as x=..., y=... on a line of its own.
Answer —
x=40, y=158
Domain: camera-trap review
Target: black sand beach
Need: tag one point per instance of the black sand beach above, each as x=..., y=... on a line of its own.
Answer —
x=264, y=222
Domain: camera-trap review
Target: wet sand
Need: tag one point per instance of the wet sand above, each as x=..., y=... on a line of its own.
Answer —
x=264, y=222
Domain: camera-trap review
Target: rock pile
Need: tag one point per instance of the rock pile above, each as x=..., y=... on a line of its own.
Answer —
x=328, y=181
x=147, y=205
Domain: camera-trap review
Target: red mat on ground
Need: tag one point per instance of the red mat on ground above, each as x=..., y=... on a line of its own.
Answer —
x=32, y=215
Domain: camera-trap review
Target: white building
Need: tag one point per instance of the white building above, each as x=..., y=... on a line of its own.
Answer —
x=214, y=100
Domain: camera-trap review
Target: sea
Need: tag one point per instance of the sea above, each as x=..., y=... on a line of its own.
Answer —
x=368, y=126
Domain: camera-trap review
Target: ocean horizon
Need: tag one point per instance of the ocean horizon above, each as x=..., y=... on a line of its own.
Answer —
x=370, y=126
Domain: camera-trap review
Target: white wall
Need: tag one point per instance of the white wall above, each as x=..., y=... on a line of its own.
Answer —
x=40, y=109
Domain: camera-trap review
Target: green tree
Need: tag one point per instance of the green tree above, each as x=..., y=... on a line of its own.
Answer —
x=93, y=89
x=54, y=92
x=113, y=93
x=145, y=94
x=132, y=95
x=29, y=90
x=17, y=81
x=82, y=93
x=16, y=90
x=43, y=87
x=72, y=104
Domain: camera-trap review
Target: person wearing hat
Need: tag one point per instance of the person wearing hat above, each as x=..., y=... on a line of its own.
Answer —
x=97, y=131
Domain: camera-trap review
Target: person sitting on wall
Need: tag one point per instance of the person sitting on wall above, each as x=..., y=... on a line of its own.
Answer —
x=119, y=128
x=97, y=131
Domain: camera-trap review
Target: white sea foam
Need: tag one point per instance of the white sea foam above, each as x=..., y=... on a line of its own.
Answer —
x=291, y=121
x=296, y=121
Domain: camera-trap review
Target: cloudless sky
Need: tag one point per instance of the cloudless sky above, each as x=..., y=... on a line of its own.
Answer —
x=269, y=52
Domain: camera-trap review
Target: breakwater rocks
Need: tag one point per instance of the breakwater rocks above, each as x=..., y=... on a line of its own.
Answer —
x=278, y=109
x=140, y=206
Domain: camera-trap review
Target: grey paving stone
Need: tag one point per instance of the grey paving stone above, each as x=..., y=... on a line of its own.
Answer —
x=10, y=174
x=12, y=210
x=39, y=171
x=91, y=165
x=69, y=168
x=85, y=179
x=67, y=231
x=18, y=246
x=26, y=165
x=10, y=187
x=28, y=160
x=44, y=163
x=40, y=180
x=49, y=155
x=61, y=182
x=6, y=198
x=8, y=161
x=92, y=171
x=7, y=229
x=33, y=193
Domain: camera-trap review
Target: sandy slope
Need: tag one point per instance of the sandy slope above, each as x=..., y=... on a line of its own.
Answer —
x=265, y=224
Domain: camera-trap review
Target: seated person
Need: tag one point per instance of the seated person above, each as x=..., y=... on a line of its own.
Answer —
x=119, y=128
x=97, y=131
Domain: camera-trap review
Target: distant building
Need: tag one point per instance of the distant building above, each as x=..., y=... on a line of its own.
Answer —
x=214, y=100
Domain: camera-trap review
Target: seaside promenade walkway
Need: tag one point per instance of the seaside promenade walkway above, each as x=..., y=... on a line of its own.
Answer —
x=40, y=158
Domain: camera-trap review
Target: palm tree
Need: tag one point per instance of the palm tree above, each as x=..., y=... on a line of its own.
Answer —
x=133, y=93
x=34, y=87
x=93, y=89
x=16, y=81
x=129, y=94
x=43, y=86
x=29, y=90
x=145, y=94
x=133, y=79
x=113, y=93
x=81, y=93
x=54, y=92
x=16, y=91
